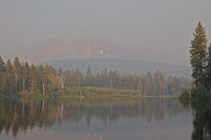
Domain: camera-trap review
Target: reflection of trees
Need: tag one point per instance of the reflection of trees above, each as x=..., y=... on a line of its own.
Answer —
x=202, y=120
x=22, y=114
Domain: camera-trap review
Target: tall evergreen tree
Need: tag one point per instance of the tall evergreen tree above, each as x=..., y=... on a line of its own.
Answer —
x=104, y=74
x=67, y=78
x=1, y=66
x=198, y=54
x=42, y=76
x=2, y=76
x=25, y=76
x=208, y=85
x=88, y=78
x=33, y=78
x=9, y=67
x=3, y=83
x=160, y=83
x=10, y=76
x=17, y=71
x=46, y=72
x=61, y=75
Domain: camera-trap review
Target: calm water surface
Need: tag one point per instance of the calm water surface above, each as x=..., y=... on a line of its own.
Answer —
x=97, y=119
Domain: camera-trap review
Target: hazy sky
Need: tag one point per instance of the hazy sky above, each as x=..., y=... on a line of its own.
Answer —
x=162, y=24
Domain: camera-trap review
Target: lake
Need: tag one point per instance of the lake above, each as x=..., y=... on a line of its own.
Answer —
x=97, y=118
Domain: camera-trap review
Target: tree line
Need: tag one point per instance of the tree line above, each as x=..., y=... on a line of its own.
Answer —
x=17, y=77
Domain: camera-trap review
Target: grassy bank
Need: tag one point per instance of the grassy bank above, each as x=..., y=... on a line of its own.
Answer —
x=96, y=91
x=87, y=92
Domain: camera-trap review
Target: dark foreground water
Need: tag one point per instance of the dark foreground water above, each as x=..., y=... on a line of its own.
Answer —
x=100, y=119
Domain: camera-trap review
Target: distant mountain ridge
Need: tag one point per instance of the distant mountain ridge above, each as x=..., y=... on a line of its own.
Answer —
x=136, y=67
x=91, y=46
x=99, y=52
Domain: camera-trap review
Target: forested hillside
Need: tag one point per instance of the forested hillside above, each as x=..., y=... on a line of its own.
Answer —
x=123, y=66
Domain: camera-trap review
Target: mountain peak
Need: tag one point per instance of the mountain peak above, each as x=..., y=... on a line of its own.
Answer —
x=89, y=46
x=93, y=38
x=94, y=46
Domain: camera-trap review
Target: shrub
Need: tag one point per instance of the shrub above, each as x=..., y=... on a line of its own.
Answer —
x=184, y=95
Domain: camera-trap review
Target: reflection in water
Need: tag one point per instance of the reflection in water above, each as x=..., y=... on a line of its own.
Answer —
x=202, y=120
x=23, y=114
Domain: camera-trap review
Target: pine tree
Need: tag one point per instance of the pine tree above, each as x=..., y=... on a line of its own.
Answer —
x=88, y=77
x=67, y=78
x=1, y=66
x=76, y=78
x=42, y=76
x=17, y=71
x=2, y=76
x=33, y=78
x=198, y=53
x=10, y=76
x=9, y=67
x=25, y=76
x=208, y=85
x=104, y=74
x=3, y=83
x=61, y=75
x=46, y=72
x=160, y=83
